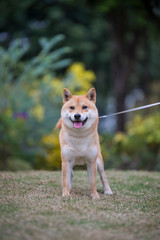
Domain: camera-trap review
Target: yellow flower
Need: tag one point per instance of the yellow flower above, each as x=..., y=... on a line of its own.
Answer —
x=51, y=144
x=46, y=79
x=90, y=76
x=80, y=73
x=57, y=86
x=77, y=79
x=35, y=94
x=80, y=78
x=78, y=68
x=38, y=112
x=136, y=126
x=119, y=137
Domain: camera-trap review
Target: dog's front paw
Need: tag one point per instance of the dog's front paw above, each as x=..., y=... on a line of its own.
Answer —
x=108, y=192
x=65, y=194
x=94, y=196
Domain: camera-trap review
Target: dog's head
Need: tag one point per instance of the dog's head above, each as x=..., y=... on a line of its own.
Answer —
x=79, y=111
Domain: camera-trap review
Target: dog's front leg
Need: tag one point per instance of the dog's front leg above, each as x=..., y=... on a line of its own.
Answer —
x=92, y=169
x=65, y=179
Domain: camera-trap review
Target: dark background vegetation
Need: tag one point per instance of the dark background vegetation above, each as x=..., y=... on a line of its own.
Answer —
x=119, y=41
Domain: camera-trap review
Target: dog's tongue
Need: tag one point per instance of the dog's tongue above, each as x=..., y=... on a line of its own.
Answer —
x=77, y=124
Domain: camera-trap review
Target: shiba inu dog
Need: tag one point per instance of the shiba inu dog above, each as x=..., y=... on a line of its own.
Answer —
x=79, y=140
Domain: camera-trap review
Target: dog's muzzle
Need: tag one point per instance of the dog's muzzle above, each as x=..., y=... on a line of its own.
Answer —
x=77, y=123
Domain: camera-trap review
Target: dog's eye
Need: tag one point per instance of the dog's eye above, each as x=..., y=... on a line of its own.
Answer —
x=84, y=107
x=71, y=107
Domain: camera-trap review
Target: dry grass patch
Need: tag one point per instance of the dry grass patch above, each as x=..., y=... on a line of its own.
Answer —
x=31, y=207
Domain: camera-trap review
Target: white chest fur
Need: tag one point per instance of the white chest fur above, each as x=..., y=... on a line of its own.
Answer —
x=79, y=149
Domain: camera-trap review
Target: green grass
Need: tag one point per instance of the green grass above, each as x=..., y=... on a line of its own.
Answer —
x=31, y=207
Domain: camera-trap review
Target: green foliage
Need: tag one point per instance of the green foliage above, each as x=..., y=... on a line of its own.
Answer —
x=26, y=106
x=15, y=164
x=15, y=70
x=11, y=135
x=139, y=147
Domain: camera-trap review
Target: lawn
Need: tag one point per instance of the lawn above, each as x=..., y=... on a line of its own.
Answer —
x=31, y=207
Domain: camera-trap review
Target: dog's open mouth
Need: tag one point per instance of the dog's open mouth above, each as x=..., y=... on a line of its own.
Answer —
x=79, y=124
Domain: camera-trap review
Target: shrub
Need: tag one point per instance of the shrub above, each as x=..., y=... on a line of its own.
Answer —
x=15, y=164
x=27, y=108
x=139, y=147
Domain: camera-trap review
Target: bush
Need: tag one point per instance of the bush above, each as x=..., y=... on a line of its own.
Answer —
x=15, y=164
x=27, y=108
x=139, y=147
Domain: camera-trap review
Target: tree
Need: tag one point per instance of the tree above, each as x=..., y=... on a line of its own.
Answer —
x=128, y=30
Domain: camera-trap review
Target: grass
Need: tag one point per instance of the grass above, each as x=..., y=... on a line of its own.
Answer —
x=31, y=207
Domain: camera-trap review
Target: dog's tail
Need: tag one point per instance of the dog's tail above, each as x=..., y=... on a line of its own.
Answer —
x=59, y=124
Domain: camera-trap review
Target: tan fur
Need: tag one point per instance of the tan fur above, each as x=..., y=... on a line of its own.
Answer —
x=59, y=124
x=80, y=145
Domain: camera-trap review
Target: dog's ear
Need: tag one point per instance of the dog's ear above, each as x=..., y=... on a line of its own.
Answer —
x=91, y=95
x=66, y=95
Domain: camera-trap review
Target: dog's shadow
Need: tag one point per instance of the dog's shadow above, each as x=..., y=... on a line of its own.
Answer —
x=79, y=192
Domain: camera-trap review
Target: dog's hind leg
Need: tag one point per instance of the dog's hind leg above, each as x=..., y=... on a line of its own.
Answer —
x=100, y=168
x=70, y=176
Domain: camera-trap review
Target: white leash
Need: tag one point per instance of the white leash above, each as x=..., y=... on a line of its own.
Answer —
x=131, y=110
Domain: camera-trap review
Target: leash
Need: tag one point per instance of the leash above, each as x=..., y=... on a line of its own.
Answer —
x=131, y=110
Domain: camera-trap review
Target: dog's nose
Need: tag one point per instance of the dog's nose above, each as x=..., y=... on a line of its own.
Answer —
x=77, y=116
